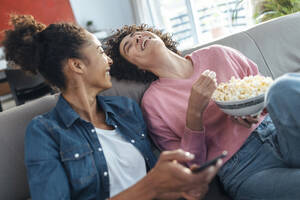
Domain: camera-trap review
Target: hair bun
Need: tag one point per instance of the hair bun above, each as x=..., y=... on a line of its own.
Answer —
x=19, y=44
x=26, y=21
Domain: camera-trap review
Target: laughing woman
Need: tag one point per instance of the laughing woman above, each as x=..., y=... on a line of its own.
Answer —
x=88, y=146
x=263, y=159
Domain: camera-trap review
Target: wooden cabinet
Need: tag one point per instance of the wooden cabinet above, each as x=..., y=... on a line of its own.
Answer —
x=4, y=88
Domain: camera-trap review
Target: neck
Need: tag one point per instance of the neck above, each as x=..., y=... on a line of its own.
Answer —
x=171, y=65
x=83, y=101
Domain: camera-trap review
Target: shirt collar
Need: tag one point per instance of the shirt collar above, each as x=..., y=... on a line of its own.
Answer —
x=103, y=101
x=69, y=116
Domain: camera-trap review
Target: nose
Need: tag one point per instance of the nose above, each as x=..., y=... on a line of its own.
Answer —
x=137, y=38
x=110, y=61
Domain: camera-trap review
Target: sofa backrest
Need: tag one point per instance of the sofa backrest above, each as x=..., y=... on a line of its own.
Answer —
x=274, y=46
x=13, y=123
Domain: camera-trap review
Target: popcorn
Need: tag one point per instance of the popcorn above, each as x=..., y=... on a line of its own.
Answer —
x=239, y=89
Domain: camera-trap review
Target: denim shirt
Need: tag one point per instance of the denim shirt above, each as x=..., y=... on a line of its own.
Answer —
x=63, y=156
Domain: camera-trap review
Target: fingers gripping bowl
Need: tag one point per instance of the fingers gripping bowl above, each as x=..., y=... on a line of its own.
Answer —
x=242, y=97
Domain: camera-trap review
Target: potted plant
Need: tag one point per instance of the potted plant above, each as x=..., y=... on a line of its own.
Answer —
x=90, y=26
x=268, y=9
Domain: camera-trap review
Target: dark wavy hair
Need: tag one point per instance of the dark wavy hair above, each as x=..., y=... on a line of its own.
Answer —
x=123, y=69
x=38, y=48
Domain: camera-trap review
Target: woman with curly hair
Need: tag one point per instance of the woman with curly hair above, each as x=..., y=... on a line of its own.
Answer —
x=90, y=146
x=263, y=157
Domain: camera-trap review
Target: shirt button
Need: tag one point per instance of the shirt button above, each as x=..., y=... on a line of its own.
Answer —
x=132, y=141
x=93, y=130
x=105, y=173
x=143, y=135
x=76, y=155
x=147, y=158
x=115, y=126
x=99, y=149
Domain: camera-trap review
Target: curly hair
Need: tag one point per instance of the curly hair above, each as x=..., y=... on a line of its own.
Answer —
x=40, y=49
x=123, y=69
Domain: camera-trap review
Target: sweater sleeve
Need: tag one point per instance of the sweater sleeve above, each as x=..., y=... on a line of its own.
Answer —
x=165, y=139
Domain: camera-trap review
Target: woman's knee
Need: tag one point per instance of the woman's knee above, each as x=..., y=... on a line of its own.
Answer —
x=284, y=91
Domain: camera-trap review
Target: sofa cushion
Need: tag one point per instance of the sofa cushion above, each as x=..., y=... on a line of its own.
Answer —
x=126, y=88
x=13, y=123
x=278, y=41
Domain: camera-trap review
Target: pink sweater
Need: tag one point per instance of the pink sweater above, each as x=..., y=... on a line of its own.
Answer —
x=165, y=104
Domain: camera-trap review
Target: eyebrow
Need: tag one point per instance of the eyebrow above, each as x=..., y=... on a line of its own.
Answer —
x=126, y=43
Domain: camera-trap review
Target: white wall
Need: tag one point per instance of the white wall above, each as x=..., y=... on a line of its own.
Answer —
x=105, y=14
x=2, y=60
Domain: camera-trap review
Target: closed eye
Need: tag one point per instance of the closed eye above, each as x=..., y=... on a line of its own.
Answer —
x=128, y=44
x=100, y=50
x=128, y=48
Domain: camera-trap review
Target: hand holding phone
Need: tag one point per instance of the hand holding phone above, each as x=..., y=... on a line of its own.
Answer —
x=209, y=163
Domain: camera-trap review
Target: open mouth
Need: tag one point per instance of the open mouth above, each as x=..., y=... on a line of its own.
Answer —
x=107, y=72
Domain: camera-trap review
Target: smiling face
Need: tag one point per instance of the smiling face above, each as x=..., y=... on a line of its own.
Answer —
x=140, y=47
x=130, y=65
x=97, y=64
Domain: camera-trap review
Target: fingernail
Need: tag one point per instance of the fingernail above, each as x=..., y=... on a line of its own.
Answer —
x=205, y=72
x=219, y=162
x=189, y=155
x=211, y=169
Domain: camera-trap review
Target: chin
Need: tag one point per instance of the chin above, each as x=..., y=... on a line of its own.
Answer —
x=157, y=48
x=107, y=86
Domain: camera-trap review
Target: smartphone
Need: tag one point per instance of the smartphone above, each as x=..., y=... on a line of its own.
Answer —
x=209, y=163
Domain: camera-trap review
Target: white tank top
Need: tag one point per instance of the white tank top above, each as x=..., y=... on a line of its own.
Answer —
x=126, y=164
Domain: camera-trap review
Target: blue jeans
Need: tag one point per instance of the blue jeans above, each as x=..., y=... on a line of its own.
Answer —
x=268, y=164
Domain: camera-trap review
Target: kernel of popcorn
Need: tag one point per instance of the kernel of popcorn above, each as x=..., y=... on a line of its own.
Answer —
x=239, y=89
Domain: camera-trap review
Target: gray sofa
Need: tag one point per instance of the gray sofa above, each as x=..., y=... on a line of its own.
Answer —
x=274, y=46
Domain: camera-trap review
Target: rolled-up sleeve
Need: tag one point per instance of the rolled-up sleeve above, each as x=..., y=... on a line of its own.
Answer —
x=194, y=142
x=165, y=139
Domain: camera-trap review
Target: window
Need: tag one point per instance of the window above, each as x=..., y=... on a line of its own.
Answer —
x=194, y=22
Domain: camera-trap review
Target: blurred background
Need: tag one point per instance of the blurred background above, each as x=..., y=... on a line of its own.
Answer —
x=191, y=22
